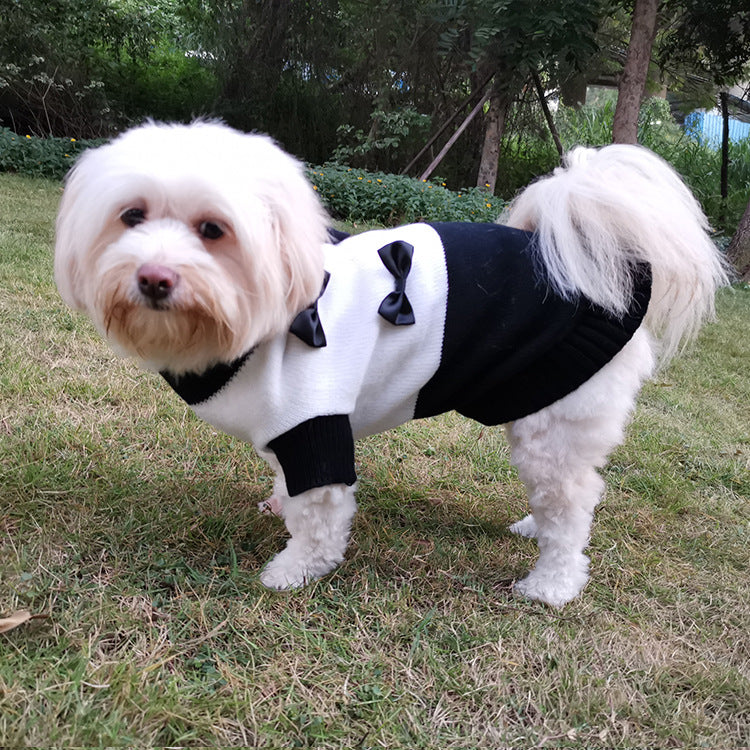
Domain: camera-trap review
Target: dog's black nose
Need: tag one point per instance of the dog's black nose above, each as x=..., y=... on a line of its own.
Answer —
x=156, y=282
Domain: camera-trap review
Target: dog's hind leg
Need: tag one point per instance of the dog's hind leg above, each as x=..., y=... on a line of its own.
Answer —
x=557, y=452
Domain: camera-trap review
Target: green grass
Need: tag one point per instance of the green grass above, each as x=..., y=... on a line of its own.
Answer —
x=133, y=527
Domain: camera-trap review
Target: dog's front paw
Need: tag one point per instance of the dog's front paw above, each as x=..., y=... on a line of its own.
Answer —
x=553, y=587
x=525, y=527
x=290, y=570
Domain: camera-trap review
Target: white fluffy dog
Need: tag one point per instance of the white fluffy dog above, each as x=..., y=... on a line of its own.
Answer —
x=206, y=254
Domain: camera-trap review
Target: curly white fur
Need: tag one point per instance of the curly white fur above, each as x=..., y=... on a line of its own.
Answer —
x=261, y=263
x=238, y=290
x=610, y=208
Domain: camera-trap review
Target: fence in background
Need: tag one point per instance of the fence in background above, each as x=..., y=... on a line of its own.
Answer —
x=706, y=128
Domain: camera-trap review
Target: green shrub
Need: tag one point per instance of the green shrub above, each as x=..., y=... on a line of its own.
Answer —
x=521, y=161
x=39, y=157
x=700, y=165
x=387, y=143
x=169, y=86
x=349, y=194
x=527, y=154
x=357, y=195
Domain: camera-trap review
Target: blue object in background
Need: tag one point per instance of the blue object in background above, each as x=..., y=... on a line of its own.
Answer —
x=706, y=128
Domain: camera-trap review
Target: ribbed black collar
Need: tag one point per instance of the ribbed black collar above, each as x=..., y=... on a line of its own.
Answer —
x=195, y=388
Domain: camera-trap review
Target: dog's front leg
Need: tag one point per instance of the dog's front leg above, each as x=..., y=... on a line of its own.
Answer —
x=274, y=505
x=319, y=522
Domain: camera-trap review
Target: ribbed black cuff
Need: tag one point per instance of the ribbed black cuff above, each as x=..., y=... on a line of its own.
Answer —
x=316, y=453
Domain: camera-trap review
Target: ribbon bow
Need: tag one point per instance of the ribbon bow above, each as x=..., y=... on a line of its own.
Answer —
x=307, y=326
x=396, y=308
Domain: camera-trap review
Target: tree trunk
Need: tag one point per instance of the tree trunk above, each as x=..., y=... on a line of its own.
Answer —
x=738, y=252
x=635, y=72
x=724, y=177
x=493, y=135
x=547, y=114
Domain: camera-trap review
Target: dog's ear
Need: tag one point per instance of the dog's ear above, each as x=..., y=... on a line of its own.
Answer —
x=68, y=242
x=301, y=228
x=299, y=223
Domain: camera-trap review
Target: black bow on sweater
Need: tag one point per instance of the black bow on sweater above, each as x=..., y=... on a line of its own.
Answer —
x=396, y=308
x=307, y=326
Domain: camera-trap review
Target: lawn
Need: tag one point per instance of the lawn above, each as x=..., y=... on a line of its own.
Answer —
x=133, y=529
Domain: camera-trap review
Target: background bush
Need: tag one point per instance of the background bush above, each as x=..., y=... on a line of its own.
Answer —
x=40, y=157
x=349, y=194
x=358, y=195
x=529, y=151
x=701, y=167
x=169, y=86
x=377, y=197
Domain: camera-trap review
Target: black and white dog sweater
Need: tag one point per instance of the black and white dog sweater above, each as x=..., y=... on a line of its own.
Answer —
x=412, y=322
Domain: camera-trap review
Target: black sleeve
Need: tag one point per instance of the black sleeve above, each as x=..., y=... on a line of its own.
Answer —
x=316, y=453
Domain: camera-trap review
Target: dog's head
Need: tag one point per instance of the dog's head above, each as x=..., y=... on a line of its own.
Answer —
x=189, y=244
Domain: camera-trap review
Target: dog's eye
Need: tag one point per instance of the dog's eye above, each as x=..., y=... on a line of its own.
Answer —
x=133, y=216
x=210, y=230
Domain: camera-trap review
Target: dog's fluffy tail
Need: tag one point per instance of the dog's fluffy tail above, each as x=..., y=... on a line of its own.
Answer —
x=607, y=210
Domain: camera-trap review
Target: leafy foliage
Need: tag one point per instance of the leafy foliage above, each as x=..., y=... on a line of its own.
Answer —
x=360, y=196
x=278, y=66
x=712, y=37
x=169, y=86
x=349, y=194
x=517, y=35
x=374, y=196
x=55, y=56
x=390, y=137
x=528, y=153
x=39, y=157
x=701, y=166
x=358, y=81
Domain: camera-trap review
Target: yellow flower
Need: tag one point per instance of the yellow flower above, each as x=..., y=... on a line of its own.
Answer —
x=489, y=205
x=486, y=184
x=379, y=180
x=29, y=137
x=72, y=140
x=315, y=187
